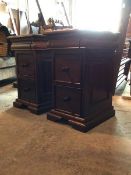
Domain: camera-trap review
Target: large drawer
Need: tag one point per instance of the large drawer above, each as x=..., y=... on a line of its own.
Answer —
x=68, y=68
x=67, y=99
x=27, y=90
x=25, y=65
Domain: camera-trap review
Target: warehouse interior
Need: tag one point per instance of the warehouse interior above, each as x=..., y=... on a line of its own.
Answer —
x=39, y=133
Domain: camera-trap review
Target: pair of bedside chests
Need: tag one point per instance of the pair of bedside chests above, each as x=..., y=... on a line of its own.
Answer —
x=68, y=74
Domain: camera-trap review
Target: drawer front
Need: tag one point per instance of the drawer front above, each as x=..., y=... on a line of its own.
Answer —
x=27, y=90
x=68, y=68
x=25, y=65
x=68, y=99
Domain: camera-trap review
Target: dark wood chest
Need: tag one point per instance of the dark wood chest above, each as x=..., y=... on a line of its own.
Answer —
x=70, y=73
x=34, y=74
x=82, y=86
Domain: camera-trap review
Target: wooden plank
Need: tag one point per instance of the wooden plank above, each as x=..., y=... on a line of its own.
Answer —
x=12, y=20
x=41, y=17
x=125, y=15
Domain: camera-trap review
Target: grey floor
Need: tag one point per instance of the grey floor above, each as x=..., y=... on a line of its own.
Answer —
x=119, y=91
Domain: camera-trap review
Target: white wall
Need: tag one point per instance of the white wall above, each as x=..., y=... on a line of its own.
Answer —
x=100, y=15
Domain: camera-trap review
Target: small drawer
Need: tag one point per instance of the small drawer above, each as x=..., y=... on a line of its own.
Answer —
x=25, y=65
x=68, y=68
x=27, y=90
x=67, y=99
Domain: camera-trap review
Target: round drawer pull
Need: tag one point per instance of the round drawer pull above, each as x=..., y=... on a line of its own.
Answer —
x=25, y=65
x=65, y=69
x=27, y=89
x=67, y=98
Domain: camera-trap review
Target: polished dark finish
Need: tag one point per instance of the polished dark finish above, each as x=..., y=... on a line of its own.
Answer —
x=83, y=82
x=34, y=74
x=81, y=65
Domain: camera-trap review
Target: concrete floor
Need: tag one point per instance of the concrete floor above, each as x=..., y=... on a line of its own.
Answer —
x=127, y=91
x=32, y=145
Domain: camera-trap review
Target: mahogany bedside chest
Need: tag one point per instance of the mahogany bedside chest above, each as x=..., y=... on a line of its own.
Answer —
x=34, y=73
x=83, y=80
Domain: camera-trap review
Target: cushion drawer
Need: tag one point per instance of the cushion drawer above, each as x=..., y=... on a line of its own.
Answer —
x=67, y=99
x=27, y=90
x=68, y=68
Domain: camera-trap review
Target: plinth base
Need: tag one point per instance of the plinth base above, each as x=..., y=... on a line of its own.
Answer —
x=79, y=123
x=34, y=108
